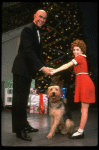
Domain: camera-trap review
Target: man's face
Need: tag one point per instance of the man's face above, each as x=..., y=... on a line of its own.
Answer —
x=40, y=18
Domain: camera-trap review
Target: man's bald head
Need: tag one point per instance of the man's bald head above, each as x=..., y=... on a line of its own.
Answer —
x=40, y=18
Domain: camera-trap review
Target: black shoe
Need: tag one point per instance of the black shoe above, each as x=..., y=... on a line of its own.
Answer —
x=30, y=129
x=77, y=136
x=23, y=135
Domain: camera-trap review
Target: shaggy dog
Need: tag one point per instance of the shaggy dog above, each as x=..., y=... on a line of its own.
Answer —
x=60, y=115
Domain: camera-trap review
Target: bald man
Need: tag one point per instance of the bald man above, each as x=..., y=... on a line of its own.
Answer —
x=27, y=62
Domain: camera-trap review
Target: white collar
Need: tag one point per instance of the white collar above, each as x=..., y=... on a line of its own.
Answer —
x=83, y=55
x=34, y=22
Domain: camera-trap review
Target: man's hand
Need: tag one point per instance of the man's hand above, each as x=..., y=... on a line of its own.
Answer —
x=47, y=70
x=51, y=69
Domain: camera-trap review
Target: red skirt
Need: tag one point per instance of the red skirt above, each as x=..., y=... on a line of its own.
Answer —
x=84, y=89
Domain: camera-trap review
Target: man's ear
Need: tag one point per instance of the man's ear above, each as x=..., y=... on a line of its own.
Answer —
x=34, y=16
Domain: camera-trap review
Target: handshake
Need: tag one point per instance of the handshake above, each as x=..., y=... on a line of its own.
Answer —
x=48, y=71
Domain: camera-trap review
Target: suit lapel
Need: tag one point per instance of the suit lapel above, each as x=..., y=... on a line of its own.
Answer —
x=35, y=31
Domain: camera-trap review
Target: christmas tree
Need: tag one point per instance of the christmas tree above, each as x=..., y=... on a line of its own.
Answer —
x=61, y=29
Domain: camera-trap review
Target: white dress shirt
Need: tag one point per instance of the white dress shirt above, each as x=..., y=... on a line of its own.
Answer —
x=39, y=42
x=38, y=35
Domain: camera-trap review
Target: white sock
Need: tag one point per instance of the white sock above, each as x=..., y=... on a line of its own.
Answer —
x=79, y=132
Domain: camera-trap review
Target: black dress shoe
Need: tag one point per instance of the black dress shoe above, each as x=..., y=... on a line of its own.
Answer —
x=30, y=129
x=23, y=135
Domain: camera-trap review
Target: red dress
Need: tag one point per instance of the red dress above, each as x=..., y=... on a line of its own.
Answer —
x=84, y=87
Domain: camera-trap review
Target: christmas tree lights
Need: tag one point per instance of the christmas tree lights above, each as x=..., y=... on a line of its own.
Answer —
x=61, y=29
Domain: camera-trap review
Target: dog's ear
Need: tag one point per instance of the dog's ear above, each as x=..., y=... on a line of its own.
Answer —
x=47, y=91
x=60, y=92
x=65, y=100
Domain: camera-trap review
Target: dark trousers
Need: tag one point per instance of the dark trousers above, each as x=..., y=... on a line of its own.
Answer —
x=21, y=89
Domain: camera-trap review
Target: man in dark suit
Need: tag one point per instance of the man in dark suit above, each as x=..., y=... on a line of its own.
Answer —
x=27, y=62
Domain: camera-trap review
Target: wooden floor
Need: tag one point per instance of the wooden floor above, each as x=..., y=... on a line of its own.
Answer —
x=42, y=122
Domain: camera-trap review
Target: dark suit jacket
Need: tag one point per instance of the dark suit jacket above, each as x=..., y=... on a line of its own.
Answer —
x=28, y=60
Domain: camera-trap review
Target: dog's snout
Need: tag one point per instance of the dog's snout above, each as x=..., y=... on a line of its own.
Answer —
x=53, y=93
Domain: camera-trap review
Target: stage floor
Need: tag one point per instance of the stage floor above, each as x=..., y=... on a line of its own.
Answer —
x=42, y=122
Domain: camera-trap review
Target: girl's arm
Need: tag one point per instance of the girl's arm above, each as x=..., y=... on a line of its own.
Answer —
x=63, y=67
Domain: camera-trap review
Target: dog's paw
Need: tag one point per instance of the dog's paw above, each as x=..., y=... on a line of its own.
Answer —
x=49, y=136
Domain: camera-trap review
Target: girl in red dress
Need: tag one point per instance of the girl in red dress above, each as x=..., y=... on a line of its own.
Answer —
x=84, y=87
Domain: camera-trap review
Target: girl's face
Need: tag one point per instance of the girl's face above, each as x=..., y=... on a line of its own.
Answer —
x=77, y=51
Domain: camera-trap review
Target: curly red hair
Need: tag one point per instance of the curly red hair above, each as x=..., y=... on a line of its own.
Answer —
x=79, y=43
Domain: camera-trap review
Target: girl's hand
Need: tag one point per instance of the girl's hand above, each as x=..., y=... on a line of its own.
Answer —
x=50, y=69
x=52, y=72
